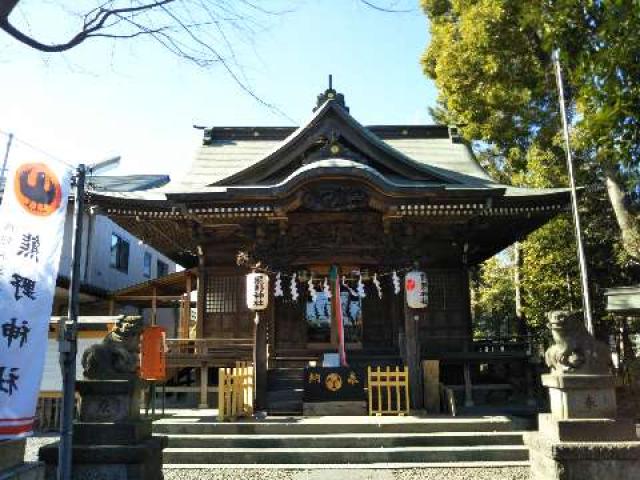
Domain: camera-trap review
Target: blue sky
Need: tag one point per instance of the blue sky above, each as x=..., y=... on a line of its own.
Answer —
x=134, y=99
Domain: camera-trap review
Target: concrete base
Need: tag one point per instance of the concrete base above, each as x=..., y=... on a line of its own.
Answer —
x=12, y=466
x=26, y=471
x=555, y=460
x=109, y=400
x=110, y=441
x=581, y=396
x=108, y=462
x=322, y=409
x=11, y=453
x=587, y=429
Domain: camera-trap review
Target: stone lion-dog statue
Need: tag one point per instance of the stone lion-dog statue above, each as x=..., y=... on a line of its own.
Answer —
x=575, y=351
x=117, y=357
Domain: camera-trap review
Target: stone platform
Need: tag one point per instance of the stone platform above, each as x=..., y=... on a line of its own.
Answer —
x=12, y=465
x=197, y=440
x=111, y=441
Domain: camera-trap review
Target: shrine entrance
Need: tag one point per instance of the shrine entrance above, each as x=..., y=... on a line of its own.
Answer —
x=371, y=200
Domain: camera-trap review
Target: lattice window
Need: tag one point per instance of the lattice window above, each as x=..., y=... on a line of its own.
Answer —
x=437, y=290
x=444, y=289
x=223, y=294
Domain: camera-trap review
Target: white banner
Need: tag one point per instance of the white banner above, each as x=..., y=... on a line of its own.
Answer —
x=32, y=216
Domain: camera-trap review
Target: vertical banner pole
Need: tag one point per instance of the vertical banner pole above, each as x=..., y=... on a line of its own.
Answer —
x=586, y=298
x=6, y=158
x=68, y=342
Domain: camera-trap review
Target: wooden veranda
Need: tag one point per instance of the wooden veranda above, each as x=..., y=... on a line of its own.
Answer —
x=185, y=348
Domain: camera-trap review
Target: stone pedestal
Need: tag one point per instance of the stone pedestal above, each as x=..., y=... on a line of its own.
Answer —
x=12, y=466
x=581, y=396
x=555, y=460
x=581, y=439
x=110, y=441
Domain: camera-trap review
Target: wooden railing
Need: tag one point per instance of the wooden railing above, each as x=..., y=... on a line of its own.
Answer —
x=235, y=391
x=183, y=352
x=388, y=390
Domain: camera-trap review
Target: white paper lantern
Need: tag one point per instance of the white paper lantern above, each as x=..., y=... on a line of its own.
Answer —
x=417, y=289
x=257, y=291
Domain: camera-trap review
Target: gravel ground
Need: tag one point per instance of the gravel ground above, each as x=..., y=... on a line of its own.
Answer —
x=460, y=473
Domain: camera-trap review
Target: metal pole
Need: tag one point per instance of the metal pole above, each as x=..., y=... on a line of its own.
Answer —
x=68, y=345
x=586, y=299
x=6, y=157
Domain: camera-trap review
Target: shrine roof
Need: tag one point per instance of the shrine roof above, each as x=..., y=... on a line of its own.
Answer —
x=119, y=184
x=256, y=160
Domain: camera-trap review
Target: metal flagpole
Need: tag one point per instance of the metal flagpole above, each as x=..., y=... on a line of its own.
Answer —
x=586, y=299
x=6, y=158
x=68, y=341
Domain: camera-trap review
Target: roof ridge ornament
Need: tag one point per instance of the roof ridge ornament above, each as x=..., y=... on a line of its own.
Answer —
x=330, y=94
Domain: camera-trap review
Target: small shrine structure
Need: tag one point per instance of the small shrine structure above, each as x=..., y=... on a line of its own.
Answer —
x=376, y=201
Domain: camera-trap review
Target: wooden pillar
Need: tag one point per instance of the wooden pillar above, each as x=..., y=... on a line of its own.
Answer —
x=204, y=386
x=154, y=307
x=468, y=387
x=412, y=339
x=530, y=386
x=201, y=297
x=186, y=309
x=260, y=362
x=112, y=307
x=431, y=369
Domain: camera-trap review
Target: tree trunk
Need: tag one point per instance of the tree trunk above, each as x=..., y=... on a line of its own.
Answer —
x=521, y=321
x=629, y=225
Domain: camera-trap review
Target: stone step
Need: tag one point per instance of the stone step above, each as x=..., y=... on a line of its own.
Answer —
x=291, y=394
x=279, y=386
x=353, y=471
x=288, y=408
x=332, y=425
x=346, y=440
x=345, y=455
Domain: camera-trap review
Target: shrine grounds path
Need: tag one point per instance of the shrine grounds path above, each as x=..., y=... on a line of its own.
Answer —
x=442, y=473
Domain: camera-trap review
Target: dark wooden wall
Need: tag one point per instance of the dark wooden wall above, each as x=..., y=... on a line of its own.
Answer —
x=446, y=323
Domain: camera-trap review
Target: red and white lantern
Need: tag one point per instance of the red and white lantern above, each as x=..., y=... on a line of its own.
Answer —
x=416, y=288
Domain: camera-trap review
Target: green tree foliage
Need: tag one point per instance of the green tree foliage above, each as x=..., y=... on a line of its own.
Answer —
x=491, y=61
x=494, y=300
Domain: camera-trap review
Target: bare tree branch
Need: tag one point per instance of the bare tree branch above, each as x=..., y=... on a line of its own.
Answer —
x=90, y=27
x=195, y=30
x=385, y=9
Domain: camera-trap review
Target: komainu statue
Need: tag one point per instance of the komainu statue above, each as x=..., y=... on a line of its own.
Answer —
x=117, y=357
x=575, y=351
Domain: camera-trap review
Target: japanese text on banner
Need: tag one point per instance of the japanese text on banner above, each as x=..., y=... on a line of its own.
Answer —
x=32, y=216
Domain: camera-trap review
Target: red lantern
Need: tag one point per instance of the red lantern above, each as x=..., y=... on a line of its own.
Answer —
x=153, y=350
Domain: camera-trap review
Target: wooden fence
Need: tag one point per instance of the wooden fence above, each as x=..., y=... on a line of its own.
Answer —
x=388, y=391
x=48, y=412
x=185, y=352
x=235, y=391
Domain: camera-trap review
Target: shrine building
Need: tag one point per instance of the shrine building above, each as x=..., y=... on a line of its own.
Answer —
x=375, y=201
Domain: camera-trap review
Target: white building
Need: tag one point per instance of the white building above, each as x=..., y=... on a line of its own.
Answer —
x=112, y=258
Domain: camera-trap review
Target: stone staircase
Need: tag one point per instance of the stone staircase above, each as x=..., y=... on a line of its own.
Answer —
x=285, y=389
x=365, y=441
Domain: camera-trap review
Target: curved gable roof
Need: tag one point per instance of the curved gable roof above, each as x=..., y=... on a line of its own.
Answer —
x=332, y=119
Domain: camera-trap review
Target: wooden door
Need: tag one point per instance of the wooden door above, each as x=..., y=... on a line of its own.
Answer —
x=225, y=310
